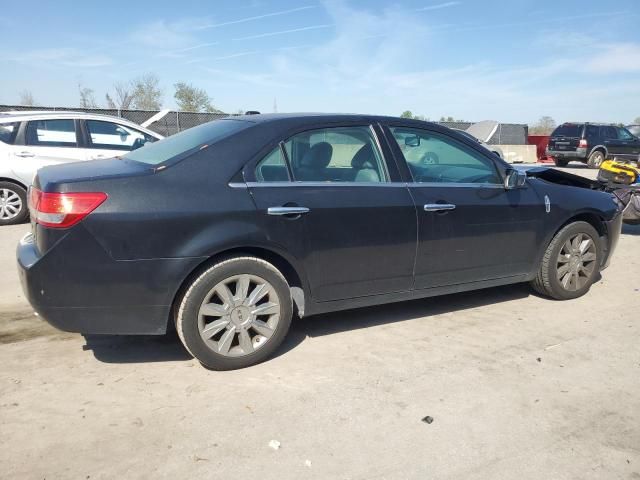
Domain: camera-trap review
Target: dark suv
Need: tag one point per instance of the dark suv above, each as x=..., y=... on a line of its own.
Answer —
x=591, y=143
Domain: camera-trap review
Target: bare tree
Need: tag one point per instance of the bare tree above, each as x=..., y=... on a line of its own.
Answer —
x=192, y=99
x=146, y=93
x=636, y=121
x=544, y=126
x=26, y=98
x=122, y=97
x=87, y=99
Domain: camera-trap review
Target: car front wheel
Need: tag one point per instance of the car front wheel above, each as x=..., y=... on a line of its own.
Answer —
x=13, y=204
x=571, y=262
x=235, y=313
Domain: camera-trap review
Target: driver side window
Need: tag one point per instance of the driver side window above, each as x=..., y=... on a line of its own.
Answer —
x=436, y=158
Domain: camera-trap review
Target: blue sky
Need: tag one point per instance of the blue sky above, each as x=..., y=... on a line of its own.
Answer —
x=512, y=61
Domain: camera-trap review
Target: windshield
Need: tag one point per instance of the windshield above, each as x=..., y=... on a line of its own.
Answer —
x=634, y=129
x=186, y=142
x=568, y=130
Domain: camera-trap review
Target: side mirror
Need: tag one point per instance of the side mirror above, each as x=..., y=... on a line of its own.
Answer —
x=515, y=179
x=412, y=141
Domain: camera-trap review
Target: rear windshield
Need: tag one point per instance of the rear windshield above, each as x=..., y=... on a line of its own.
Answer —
x=184, y=143
x=568, y=130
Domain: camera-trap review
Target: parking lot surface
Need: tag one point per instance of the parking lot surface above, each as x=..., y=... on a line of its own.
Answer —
x=516, y=386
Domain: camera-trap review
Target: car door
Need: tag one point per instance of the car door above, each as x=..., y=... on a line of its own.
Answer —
x=615, y=146
x=109, y=139
x=44, y=142
x=471, y=228
x=329, y=197
x=630, y=143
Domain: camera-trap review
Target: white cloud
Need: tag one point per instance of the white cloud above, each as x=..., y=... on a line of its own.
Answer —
x=67, y=57
x=615, y=58
x=438, y=6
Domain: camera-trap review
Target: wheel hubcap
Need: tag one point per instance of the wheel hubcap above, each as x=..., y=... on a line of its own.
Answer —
x=576, y=262
x=10, y=204
x=239, y=315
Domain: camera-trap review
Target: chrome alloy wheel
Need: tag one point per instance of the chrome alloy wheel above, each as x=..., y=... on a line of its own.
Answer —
x=576, y=262
x=10, y=204
x=239, y=315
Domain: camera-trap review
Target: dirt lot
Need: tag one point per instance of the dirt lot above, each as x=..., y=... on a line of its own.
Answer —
x=517, y=387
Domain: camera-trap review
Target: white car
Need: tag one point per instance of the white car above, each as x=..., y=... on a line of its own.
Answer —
x=31, y=140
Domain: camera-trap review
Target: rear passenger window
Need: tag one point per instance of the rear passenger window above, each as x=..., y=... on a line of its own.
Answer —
x=52, y=133
x=273, y=167
x=339, y=154
x=8, y=132
x=592, y=131
x=609, y=132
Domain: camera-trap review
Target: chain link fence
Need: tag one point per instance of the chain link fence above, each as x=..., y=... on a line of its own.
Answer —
x=174, y=122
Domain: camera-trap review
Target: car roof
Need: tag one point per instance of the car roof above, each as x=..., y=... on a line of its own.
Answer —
x=312, y=117
x=24, y=115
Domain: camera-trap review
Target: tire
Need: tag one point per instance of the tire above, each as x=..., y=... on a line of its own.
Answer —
x=595, y=159
x=560, y=162
x=231, y=335
x=13, y=204
x=550, y=280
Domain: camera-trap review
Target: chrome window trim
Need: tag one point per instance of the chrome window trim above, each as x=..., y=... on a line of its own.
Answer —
x=319, y=184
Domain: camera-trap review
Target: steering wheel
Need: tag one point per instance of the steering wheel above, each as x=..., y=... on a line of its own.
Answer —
x=430, y=158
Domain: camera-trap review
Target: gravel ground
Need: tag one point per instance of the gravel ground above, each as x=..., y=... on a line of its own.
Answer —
x=515, y=386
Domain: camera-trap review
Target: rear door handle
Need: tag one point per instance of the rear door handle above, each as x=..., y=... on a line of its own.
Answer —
x=287, y=210
x=25, y=154
x=438, y=207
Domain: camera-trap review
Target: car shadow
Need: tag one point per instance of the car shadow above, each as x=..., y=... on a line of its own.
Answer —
x=166, y=348
x=363, y=318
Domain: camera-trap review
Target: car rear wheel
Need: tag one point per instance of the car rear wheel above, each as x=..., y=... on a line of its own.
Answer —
x=595, y=159
x=570, y=263
x=235, y=314
x=13, y=204
x=560, y=162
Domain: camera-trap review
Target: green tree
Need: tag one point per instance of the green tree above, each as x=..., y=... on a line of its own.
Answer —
x=146, y=93
x=406, y=114
x=636, y=121
x=192, y=99
x=544, y=126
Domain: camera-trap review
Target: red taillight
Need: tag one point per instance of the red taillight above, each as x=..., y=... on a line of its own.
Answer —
x=583, y=143
x=62, y=210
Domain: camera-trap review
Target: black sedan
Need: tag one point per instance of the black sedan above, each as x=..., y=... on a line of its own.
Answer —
x=229, y=229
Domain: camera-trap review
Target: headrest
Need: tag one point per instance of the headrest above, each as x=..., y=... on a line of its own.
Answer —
x=318, y=156
x=364, y=158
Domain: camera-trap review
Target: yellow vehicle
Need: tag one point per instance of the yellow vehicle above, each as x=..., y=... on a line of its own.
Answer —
x=618, y=171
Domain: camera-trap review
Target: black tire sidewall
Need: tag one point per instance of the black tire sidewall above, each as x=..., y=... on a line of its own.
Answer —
x=191, y=307
x=22, y=193
x=578, y=227
x=561, y=162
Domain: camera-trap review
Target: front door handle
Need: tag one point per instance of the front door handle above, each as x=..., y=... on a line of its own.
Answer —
x=25, y=154
x=287, y=210
x=438, y=207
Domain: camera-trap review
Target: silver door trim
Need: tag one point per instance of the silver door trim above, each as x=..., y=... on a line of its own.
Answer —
x=438, y=207
x=287, y=210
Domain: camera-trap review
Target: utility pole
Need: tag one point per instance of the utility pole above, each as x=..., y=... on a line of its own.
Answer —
x=275, y=105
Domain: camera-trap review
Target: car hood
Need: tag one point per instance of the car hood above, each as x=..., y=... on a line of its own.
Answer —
x=560, y=177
